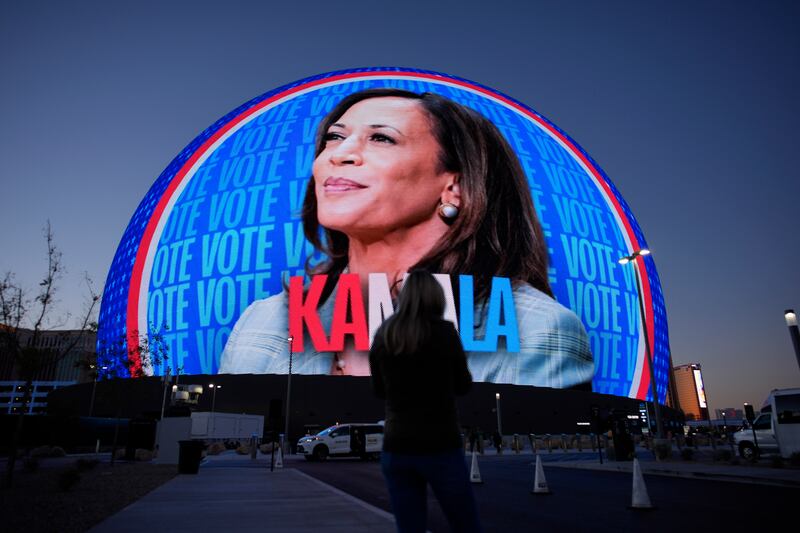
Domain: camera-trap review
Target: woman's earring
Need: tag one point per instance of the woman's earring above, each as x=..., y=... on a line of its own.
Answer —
x=448, y=211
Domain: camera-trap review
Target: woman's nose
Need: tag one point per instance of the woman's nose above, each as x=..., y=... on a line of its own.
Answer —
x=348, y=152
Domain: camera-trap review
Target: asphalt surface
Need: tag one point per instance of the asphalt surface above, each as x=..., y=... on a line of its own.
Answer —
x=582, y=500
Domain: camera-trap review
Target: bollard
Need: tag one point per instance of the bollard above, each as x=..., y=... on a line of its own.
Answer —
x=253, y=447
x=515, y=443
x=549, y=440
x=580, y=442
x=532, y=438
x=564, y=442
x=591, y=441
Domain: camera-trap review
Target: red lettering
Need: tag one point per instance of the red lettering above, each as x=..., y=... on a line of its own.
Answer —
x=305, y=312
x=348, y=296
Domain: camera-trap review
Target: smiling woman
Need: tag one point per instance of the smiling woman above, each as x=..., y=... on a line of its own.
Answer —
x=404, y=181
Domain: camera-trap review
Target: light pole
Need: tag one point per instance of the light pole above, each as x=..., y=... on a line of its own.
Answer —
x=213, y=405
x=791, y=323
x=497, y=408
x=624, y=261
x=165, y=379
x=288, y=394
x=164, y=395
x=94, y=388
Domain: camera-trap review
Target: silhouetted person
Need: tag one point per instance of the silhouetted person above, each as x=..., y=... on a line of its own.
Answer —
x=418, y=366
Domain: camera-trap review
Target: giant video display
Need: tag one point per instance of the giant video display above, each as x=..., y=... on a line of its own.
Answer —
x=297, y=215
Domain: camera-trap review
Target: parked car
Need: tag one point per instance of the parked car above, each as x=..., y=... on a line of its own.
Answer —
x=343, y=440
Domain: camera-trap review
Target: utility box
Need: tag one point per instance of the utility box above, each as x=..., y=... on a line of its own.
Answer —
x=170, y=432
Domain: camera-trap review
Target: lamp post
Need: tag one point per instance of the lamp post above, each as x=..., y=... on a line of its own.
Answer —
x=288, y=393
x=213, y=405
x=164, y=395
x=165, y=380
x=94, y=388
x=497, y=408
x=648, y=352
x=791, y=323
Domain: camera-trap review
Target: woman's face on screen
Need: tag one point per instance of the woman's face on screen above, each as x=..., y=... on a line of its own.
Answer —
x=379, y=171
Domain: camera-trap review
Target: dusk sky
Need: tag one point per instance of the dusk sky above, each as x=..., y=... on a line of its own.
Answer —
x=689, y=107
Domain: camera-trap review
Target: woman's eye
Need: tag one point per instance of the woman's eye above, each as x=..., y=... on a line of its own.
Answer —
x=332, y=136
x=381, y=138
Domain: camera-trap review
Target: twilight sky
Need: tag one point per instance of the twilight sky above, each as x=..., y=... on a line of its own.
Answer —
x=689, y=107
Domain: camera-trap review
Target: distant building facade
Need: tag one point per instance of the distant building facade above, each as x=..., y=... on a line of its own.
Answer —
x=58, y=369
x=691, y=391
x=13, y=392
x=66, y=368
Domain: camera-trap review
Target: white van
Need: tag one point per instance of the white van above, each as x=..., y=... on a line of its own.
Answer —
x=777, y=428
x=762, y=427
x=343, y=440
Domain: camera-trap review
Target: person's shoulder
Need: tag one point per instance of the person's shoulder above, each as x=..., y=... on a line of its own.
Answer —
x=535, y=307
x=265, y=309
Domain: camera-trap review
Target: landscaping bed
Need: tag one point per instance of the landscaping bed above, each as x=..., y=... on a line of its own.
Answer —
x=74, y=497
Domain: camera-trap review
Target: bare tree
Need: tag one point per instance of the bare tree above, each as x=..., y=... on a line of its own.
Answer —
x=30, y=356
x=116, y=357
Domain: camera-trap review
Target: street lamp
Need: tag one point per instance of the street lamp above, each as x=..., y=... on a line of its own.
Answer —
x=624, y=261
x=290, y=339
x=497, y=403
x=213, y=405
x=164, y=395
x=94, y=388
x=791, y=323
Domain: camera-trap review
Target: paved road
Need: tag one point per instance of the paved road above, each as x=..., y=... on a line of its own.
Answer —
x=583, y=500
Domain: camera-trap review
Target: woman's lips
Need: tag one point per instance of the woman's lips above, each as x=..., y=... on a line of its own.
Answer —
x=341, y=185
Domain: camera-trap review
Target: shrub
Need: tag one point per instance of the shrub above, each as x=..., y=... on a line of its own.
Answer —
x=143, y=454
x=120, y=453
x=215, y=448
x=40, y=451
x=57, y=451
x=48, y=451
x=662, y=450
x=243, y=449
x=267, y=448
x=84, y=465
x=722, y=455
x=687, y=454
x=68, y=479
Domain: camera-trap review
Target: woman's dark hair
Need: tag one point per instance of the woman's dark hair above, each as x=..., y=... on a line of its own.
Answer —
x=421, y=301
x=496, y=233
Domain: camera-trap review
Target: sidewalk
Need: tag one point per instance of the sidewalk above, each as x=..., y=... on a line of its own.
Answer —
x=231, y=493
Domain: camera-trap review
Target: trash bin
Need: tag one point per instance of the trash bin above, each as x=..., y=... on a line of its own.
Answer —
x=191, y=451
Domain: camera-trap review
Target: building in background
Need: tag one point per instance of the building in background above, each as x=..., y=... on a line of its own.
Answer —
x=691, y=392
x=13, y=392
x=59, y=369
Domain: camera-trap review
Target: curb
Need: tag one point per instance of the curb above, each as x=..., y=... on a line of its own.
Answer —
x=713, y=476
